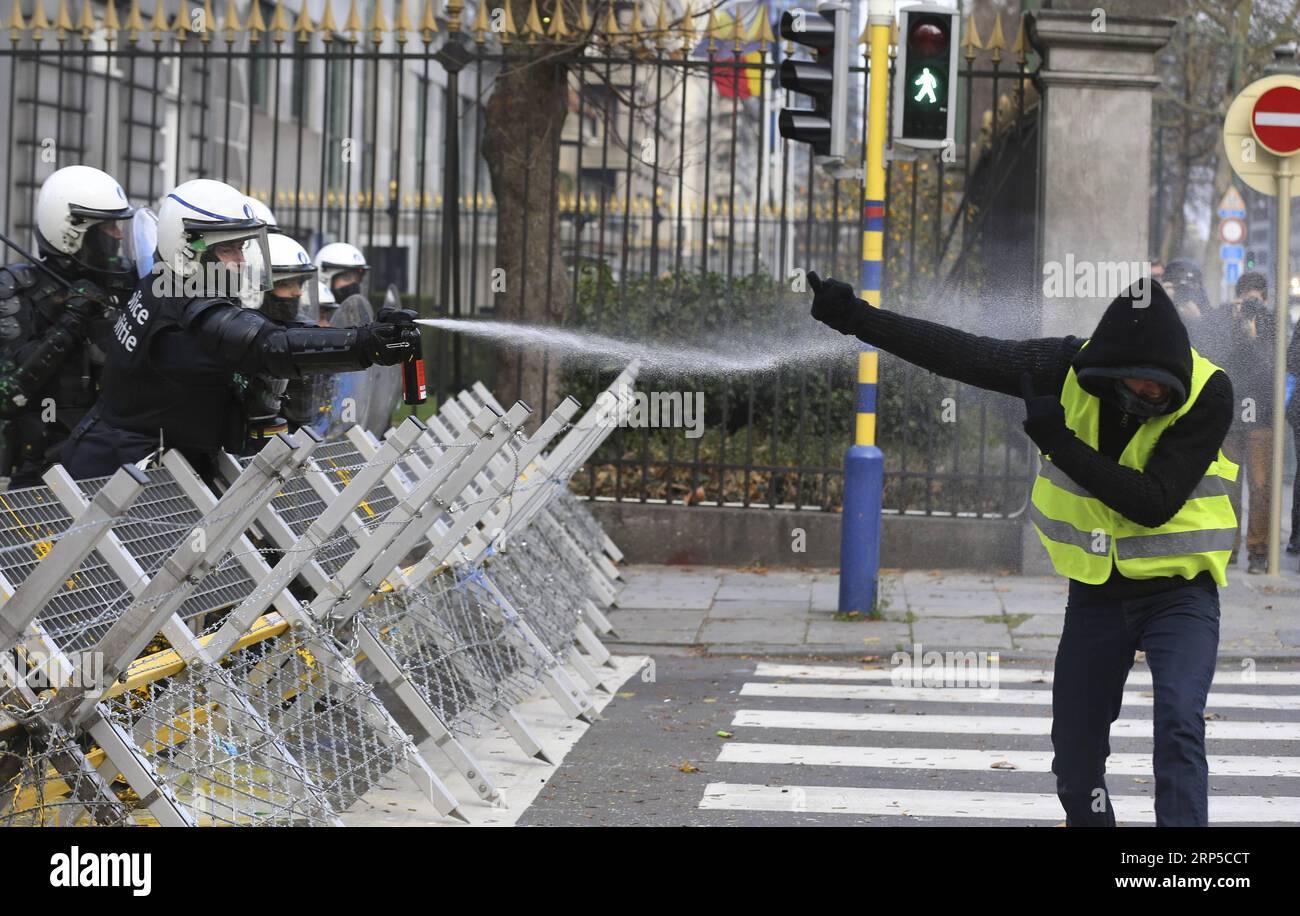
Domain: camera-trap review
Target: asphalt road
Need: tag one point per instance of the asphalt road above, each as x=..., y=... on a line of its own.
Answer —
x=836, y=743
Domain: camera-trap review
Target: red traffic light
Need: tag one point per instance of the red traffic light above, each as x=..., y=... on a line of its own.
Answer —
x=928, y=39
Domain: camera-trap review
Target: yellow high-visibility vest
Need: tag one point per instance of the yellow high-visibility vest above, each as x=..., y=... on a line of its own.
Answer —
x=1084, y=537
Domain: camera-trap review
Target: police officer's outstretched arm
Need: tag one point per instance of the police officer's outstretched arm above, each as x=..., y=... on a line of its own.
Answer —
x=985, y=362
x=252, y=343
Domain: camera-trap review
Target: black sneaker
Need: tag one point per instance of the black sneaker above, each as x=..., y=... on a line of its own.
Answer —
x=1258, y=564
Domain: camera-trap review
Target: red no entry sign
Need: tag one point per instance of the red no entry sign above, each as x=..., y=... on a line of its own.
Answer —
x=1275, y=120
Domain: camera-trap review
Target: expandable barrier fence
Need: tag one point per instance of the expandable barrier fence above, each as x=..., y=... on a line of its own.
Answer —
x=174, y=653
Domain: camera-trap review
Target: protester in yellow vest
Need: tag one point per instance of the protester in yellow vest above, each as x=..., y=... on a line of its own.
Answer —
x=1132, y=505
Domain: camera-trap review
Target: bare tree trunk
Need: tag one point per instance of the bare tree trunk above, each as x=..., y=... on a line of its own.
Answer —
x=523, y=118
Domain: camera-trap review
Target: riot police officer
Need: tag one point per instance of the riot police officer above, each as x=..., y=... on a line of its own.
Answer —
x=50, y=371
x=274, y=404
x=183, y=348
x=342, y=269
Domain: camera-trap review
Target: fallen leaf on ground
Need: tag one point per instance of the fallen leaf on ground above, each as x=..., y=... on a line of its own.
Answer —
x=689, y=767
x=1004, y=765
x=722, y=734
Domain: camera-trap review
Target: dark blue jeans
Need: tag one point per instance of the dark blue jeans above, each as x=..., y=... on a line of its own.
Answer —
x=1179, y=631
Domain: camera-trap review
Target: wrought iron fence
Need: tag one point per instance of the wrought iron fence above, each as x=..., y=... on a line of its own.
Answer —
x=672, y=208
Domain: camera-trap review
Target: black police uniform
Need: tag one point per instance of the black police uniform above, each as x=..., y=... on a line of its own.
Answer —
x=173, y=373
x=47, y=357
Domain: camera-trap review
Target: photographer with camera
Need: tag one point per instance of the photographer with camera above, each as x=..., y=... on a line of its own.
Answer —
x=1250, y=441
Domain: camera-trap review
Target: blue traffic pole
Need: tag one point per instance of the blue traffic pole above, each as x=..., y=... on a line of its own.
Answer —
x=864, y=464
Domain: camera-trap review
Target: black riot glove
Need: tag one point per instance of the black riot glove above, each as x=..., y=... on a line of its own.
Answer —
x=82, y=307
x=387, y=344
x=835, y=305
x=1044, y=418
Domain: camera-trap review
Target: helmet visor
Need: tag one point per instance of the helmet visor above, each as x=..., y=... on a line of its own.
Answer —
x=143, y=240
x=232, y=249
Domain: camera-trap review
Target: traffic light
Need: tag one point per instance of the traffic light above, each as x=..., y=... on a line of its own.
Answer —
x=925, y=81
x=826, y=78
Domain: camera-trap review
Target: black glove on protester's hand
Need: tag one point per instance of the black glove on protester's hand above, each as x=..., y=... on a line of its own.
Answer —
x=385, y=344
x=835, y=305
x=1044, y=418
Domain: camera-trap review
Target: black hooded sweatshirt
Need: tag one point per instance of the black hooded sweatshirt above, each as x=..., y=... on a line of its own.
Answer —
x=1147, y=342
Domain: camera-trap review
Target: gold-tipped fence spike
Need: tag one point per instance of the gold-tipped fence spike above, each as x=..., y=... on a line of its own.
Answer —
x=661, y=26
x=558, y=28
x=611, y=29
x=507, y=23
x=209, y=22
x=454, y=10
x=112, y=25
x=353, y=25
x=636, y=32
x=280, y=22
x=182, y=26
x=766, y=36
x=86, y=22
x=38, y=23
x=1020, y=46
x=971, y=41
x=711, y=28
x=533, y=23
x=303, y=26
x=739, y=33
x=134, y=21
x=686, y=29
x=63, y=20
x=428, y=22
x=17, y=25
x=378, y=25
x=328, y=25
x=584, y=18
x=159, y=26
x=997, y=41
x=893, y=38
x=402, y=25
x=480, y=26
x=256, y=25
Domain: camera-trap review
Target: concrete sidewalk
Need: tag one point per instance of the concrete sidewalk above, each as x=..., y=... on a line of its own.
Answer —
x=793, y=612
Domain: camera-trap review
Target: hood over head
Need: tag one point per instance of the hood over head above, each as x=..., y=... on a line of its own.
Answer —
x=1140, y=336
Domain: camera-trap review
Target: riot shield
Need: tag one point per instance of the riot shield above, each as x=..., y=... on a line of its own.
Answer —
x=385, y=381
x=343, y=399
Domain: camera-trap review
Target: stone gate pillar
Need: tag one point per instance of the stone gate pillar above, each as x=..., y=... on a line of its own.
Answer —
x=1095, y=148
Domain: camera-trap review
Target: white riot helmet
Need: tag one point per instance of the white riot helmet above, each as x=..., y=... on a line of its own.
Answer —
x=77, y=213
x=289, y=262
x=263, y=212
x=205, y=231
x=337, y=258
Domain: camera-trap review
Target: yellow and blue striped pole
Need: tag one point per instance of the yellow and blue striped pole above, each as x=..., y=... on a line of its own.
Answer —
x=864, y=464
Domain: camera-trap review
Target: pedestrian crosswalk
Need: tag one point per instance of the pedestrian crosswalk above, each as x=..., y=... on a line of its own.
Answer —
x=834, y=740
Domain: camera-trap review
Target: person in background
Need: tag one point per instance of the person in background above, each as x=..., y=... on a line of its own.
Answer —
x=1209, y=328
x=1250, y=441
x=1293, y=418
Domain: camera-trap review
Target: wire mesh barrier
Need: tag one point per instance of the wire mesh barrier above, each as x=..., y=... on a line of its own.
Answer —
x=177, y=654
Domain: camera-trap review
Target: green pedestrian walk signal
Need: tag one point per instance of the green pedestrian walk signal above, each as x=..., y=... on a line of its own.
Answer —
x=925, y=88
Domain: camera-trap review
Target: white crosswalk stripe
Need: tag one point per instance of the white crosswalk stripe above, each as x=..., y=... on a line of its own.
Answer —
x=996, y=694
x=1005, y=675
x=805, y=699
